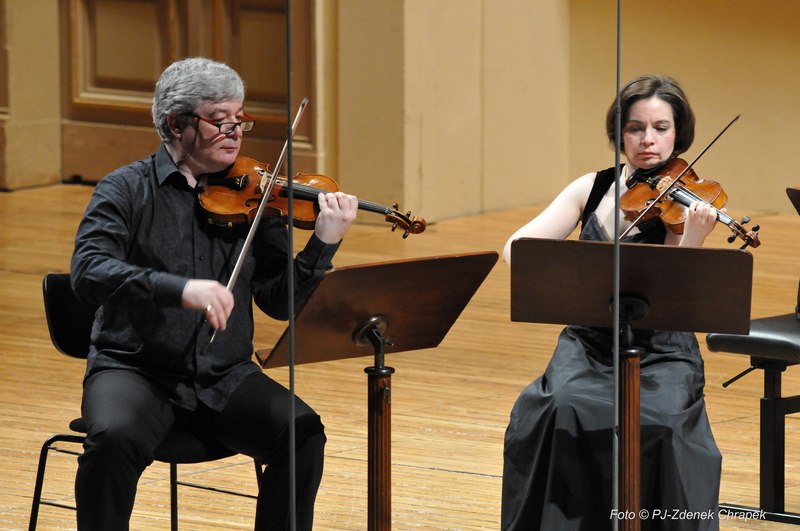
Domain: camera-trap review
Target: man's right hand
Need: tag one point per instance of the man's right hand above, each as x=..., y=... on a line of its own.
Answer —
x=210, y=297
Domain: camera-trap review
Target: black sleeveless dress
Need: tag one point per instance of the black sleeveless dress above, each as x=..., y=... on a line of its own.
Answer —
x=558, y=452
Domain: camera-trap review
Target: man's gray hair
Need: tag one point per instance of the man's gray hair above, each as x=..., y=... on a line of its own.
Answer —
x=186, y=84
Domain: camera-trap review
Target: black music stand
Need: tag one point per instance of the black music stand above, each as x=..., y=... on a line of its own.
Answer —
x=394, y=307
x=661, y=288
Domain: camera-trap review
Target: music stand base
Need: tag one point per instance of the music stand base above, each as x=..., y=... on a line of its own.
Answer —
x=755, y=514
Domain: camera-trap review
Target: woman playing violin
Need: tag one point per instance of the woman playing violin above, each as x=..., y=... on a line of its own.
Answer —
x=146, y=256
x=558, y=458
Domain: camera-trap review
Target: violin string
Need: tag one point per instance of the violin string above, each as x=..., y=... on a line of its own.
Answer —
x=684, y=196
x=309, y=193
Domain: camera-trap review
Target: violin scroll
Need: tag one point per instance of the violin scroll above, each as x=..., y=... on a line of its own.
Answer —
x=750, y=237
x=408, y=223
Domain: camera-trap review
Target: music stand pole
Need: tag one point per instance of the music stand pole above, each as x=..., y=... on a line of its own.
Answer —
x=629, y=485
x=379, y=426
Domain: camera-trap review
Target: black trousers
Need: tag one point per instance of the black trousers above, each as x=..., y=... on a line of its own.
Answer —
x=128, y=416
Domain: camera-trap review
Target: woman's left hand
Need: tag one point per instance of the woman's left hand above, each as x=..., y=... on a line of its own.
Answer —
x=701, y=218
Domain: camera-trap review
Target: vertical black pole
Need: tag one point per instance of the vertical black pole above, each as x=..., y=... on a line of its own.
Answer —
x=290, y=274
x=616, y=281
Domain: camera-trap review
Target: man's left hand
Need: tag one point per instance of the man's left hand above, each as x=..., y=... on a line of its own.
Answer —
x=337, y=212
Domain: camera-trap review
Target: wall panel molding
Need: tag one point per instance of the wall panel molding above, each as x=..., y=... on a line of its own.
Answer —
x=114, y=50
x=4, y=103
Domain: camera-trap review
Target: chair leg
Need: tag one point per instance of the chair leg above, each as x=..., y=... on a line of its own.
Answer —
x=49, y=445
x=774, y=409
x=773, y=443
x=173, y=496
x=37, y=490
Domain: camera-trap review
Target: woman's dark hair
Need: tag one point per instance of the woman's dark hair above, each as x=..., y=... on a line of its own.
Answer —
x=664, y=88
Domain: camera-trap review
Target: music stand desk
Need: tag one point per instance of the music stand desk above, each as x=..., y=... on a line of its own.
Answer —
x=661, y=288
x=393, y=307
x=687, y=289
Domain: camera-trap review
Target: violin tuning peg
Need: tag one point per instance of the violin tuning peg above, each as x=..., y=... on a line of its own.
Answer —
x=745, y=219
x=732, y=238
x=756, y=228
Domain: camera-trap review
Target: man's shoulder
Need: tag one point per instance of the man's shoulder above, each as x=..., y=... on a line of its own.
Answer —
x=133, y=179
x=138, y=170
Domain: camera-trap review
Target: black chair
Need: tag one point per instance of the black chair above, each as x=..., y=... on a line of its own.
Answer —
x=773, y=344
x=70, y=324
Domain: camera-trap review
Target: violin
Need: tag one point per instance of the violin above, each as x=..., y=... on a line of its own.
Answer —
x=234, y=198
x=666, y=192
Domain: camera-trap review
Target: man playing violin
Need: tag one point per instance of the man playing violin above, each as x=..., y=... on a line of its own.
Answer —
x=157, y=270
x=558, y=460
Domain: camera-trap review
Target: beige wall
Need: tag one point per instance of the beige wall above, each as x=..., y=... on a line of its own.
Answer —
x=442, y=107
x=452, y=107
x=459, y=106
x=370, y=90
x=731, y=56
x=32, y=125
x=438, y=102
x=525, y=93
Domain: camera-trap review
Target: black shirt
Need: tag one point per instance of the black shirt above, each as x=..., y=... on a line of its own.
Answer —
x=142, y=237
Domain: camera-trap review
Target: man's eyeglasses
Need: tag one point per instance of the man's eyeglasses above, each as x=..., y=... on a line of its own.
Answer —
x=228, y=128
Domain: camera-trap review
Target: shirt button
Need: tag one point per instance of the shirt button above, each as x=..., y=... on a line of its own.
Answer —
x=201, y=258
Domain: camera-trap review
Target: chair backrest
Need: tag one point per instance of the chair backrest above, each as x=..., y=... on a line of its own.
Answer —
x=794, y=196
x=68, y=319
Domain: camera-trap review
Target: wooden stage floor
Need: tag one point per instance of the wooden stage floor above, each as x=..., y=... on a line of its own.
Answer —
x=450, y=405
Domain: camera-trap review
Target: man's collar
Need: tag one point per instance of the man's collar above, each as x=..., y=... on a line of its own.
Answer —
x=165, y=166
